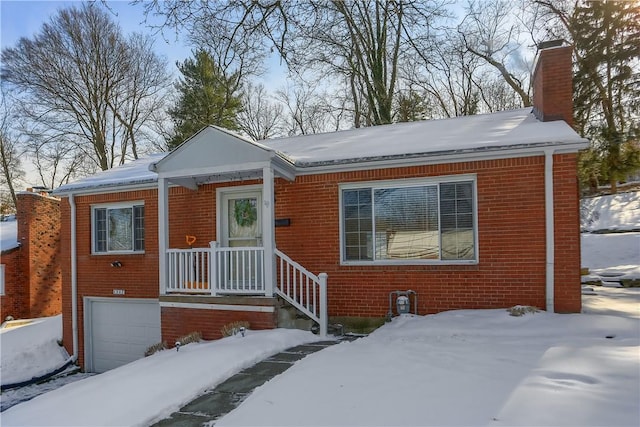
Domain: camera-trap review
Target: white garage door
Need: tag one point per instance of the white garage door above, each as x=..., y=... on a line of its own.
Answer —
x=119, y=331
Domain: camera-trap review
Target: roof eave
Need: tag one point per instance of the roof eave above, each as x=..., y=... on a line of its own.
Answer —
x=449, y=156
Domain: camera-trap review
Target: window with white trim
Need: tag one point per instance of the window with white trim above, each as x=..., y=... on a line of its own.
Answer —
x=417, y=221
x=1, y=279
x=118, y=228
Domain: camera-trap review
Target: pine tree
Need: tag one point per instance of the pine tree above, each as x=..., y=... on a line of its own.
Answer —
x=207, y=96
x=606, y=37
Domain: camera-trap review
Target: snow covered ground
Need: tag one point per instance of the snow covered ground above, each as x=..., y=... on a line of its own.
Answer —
x=469, y=367
x=616, y=212
x=610, y=247
x=31, y=350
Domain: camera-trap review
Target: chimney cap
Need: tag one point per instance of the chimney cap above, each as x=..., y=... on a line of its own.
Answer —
x=550, y=43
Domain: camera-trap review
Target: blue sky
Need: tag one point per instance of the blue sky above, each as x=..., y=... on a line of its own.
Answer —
x=25, y=18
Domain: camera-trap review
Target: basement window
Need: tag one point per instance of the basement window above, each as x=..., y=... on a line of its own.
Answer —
x=118, y=228
x=409, y=221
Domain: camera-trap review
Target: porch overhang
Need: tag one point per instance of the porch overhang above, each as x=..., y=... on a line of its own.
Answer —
x=218, y=155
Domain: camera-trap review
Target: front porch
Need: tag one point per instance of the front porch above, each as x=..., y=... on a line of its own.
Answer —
x=242, y=261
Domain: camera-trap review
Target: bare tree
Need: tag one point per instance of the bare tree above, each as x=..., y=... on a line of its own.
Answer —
x=310, y=108
x=85, y=85
x=492, y=31
x=360, y=42
x=260, y=117
x=10, y=164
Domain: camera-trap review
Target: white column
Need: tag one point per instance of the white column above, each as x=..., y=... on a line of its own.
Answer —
x=163, y=232
x=268, y=229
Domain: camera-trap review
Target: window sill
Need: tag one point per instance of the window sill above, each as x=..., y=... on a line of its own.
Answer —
x=407, y=262
x=119, y=253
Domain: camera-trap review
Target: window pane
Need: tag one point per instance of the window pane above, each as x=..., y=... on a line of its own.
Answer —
x=357, y=224
x=100, y=230
x=138, y=229
x=406, y=223
x=120, y=229
x=456, y=216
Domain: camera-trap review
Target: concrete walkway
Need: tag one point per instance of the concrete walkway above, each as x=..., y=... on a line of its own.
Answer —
x=228, y=395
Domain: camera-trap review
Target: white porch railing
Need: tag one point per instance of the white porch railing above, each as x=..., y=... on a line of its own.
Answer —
x=303, y=289
x=188, y=270
x=216, y=270
x=240, y=271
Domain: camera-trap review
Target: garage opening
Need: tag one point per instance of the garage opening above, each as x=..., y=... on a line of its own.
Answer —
x=118, y=331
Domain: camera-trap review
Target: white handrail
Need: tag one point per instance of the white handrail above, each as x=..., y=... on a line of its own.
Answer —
x=303, y=289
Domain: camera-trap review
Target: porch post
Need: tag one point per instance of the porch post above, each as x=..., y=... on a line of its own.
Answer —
x=163, y=232
x=268, y=229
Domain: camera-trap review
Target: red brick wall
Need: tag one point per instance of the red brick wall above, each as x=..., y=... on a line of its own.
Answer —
x=33, y=273
x=568, y=294
x=511, y=230
x=553, y=85
x=14, y=302
x=138, y=276
x=177, y=322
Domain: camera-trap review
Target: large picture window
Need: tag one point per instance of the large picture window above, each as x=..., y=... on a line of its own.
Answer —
x=426, y=221
x=118, y=228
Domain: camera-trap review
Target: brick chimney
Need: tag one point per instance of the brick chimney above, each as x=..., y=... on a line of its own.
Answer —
x=553, y=83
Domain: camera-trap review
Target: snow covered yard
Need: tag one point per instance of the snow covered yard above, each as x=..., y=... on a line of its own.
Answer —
x=461, y=368
x=470, y=367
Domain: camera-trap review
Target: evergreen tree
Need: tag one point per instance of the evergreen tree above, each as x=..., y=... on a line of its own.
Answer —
x=606, y=38
x=207, y=96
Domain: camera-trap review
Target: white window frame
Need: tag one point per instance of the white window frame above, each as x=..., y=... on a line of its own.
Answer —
x=410, y=182
x=2, y=270
x=118, y=205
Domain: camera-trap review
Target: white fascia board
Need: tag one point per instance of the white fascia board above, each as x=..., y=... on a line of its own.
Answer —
x=284, y=168
x=435, y=159
x=191, y=172
x=115, y=188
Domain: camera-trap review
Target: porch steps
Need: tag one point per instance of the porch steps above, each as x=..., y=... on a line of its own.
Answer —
x=228, y=395
x=290, y=317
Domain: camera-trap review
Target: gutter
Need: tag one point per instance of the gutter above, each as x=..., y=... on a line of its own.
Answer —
x=549, y=227
x=74, y=279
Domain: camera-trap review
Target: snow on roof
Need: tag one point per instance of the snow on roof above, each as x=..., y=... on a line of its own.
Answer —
x=515, y=129
x=506, y=129
x=135, y=172
x=9, y=233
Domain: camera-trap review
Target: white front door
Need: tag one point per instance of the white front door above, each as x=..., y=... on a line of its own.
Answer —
x=241, y=231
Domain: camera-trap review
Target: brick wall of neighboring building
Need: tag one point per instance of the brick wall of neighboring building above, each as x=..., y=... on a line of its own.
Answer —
x=34, y=289
x=14, y=301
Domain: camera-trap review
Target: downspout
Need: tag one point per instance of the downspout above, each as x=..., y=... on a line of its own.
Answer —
x=74, y=279
x=549, y=227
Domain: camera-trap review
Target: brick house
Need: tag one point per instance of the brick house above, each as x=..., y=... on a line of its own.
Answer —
x=30, y=273
x=471, y=212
